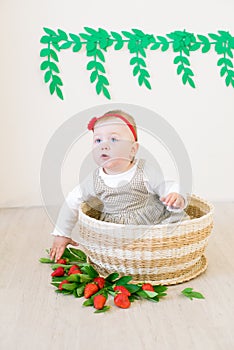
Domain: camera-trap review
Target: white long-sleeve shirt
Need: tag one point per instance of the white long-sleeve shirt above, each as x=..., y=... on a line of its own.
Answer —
x=153, y=181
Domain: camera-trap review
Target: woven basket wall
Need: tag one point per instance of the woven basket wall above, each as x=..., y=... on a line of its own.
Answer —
x=161, y=254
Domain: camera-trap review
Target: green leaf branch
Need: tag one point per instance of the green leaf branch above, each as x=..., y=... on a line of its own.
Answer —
x=138, y=42
x=97, y=42
x=224, y=44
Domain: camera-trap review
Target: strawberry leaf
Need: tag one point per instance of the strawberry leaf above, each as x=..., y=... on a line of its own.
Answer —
x=189, y=293
x=104, y=309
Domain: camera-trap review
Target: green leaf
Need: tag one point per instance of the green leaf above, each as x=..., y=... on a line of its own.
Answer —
x=47, y=76
x=191, y=82
x=99, y=87
x=103, y=80
x=75, y=38
x=160, y=289
x=189, y=293
x=104, y=309
x=184, y=78
x=214, y=36
x=62, y=34
x=137, y=60
x=123, y=280
x=180, y=69
x=44, y=52
x=91, y=65
x=77, y=47
x=119, y=40
x=49, y=31
x=79, y=254
x=128, y=34
x=147, y=83
x=91, y=31
x=132, y=288
x=90, y=271
x=56, y=46
x=54, y=55
x=70, y=286
x=100, y=55
x=136, y=70
x=150, y=294
x=73, y=278
x=85, y=278
x=188, y=71
x=85, y=36
x=225, y=61
x=66, y=45
x=223, y=71
x=228, y=80
x=106, y=92
x=45, y=65
x=100, y=67
x=185, y=50
x=54, y=67
x=93, y=76
x=45, y=39
x=112, y=277
x=155, y=46
x=194, y=47
x=52, y=87
x=46, y=261
x=64, y=292
x=138, y=32
x=80, y=290
x=165, y=43
x=88, y=302
x=229, y=52
x=57, y=80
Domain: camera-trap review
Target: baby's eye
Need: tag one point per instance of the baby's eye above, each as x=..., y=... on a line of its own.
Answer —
x=114, y=139
x=97, y=140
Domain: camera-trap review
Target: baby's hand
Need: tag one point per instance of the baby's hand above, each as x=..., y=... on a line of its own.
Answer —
x=59, y=245
x=174, y=200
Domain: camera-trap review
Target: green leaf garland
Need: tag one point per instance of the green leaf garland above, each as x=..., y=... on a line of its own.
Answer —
x=97, y=42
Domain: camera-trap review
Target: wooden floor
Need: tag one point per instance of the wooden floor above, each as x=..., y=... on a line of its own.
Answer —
x=34, y=317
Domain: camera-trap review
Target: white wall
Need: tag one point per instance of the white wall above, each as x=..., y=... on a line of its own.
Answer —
x=203, y=117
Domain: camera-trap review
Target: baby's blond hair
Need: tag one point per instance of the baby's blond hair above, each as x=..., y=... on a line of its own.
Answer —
x=131, y=120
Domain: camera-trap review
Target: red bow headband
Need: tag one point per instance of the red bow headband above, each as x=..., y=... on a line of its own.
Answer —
x=95, y=119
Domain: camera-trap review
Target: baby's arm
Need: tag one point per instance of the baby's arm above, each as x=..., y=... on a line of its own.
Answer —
x=68, y=216
x=168, y=191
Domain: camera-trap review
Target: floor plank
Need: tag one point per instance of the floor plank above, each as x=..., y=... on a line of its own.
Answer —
x=34, y=317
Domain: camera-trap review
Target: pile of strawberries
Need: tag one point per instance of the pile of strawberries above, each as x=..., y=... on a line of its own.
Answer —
x=72, y=275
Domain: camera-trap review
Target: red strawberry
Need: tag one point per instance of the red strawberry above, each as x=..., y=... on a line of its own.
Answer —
x=100, y=282
x=62, y=261
x=121, y=300
x=74, y=272
x=58, y=272
x=99, y=301
x=123, y=290
x=72, y=268
x=148, y=286
x=61, y=284
x=90, y=289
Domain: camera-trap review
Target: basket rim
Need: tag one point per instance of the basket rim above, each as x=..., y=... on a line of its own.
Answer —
x=182, y=223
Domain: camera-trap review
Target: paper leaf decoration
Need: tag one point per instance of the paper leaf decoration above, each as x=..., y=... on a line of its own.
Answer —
x=97, y=42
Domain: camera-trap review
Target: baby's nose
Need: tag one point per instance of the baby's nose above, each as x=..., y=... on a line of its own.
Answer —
x=105, y=145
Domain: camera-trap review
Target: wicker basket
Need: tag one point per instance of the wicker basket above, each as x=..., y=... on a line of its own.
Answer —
x=160, y=254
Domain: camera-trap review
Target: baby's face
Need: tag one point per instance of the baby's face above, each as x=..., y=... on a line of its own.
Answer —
x=113, y=145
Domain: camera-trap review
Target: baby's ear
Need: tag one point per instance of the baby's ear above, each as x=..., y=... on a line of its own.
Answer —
x=135, y=147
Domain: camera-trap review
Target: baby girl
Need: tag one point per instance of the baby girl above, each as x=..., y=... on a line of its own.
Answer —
x=128, y=189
